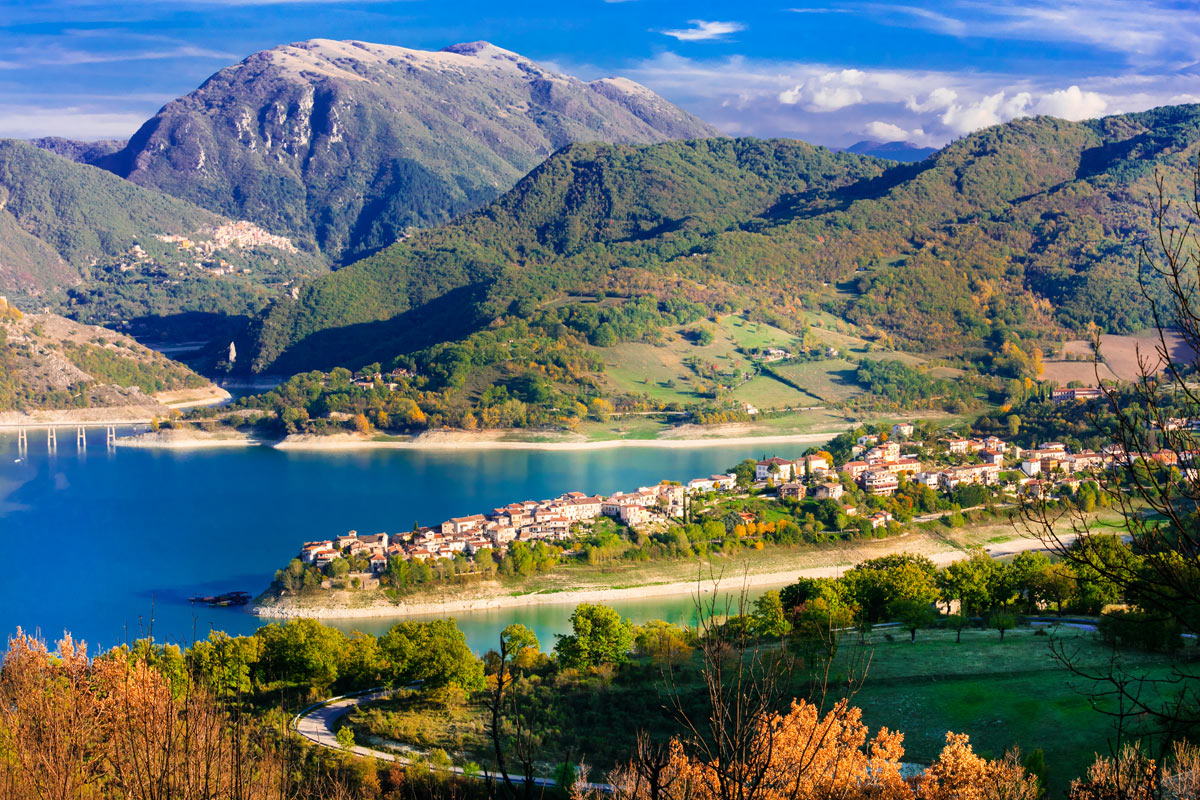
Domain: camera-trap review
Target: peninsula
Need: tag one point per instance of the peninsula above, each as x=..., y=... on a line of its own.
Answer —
x=910, y=486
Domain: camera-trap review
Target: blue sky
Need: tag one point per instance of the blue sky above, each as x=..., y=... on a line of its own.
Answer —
x=827, y=72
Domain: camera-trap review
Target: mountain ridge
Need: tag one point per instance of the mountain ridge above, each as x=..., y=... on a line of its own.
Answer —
x=348, y=146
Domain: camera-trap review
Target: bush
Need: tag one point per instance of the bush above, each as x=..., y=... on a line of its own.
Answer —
x=1140, y=630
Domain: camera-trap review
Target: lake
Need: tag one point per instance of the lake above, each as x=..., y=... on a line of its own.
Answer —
x=109, y=544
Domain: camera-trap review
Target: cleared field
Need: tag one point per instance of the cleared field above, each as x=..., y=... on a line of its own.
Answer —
x=744, y=333
x=1063, y=372
x=659, y=371
x=639, y=368
x=830, y=380
x=813, y=421
x=765, y=393
x=1120, y=355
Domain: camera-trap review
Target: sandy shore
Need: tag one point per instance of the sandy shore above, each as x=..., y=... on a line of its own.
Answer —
x=184, y=438
x=468, y=441
x=193, y=398
x=159, y=406
x=188, y=440
x=730, y=583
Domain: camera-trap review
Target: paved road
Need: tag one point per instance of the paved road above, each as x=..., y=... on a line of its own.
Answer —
x=317, y=724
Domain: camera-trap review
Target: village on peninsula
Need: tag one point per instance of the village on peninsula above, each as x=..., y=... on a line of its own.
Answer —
x=864, y=487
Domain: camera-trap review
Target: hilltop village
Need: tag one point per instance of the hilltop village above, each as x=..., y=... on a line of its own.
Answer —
x=874, y=492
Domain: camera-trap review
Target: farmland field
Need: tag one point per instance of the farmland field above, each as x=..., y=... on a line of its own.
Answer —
x=1120, y=354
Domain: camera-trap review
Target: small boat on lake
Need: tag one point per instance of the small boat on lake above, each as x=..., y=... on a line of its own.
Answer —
x=227, y=599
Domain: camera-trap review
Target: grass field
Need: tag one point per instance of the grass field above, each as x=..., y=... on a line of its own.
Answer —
x=659, y=372
x=764, y=392
x=830, y=380
x=1003, y=694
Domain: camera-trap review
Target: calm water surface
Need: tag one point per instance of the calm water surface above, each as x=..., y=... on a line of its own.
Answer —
x=107, y=543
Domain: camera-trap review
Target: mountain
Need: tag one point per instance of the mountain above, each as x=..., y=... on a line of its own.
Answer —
x=82, y=152
x=1031, y=228
x=48, y=362
x=348, y=146
x=894, y=151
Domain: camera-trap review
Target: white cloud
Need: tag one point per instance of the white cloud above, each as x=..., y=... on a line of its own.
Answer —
x=927, y=19
x=834, y=105
x=72, y=122
x=828, y=92
x=1147, y=31
x=936, y=100
x=986, y=111
x=879, y=131
x=68, y=57
x=703, y=30
x=1072, y=103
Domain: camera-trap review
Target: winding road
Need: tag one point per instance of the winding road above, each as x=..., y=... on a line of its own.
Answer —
x=318, y=722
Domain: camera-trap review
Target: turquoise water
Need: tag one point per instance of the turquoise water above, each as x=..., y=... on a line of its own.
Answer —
x=110, y=544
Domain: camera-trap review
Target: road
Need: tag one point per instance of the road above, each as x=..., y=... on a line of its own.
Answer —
x=318, y=723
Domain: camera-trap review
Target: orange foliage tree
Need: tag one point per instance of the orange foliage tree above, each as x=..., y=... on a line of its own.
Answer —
x=804, y=755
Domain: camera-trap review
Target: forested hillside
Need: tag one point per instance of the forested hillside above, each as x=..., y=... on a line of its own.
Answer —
x=57, y=217
x=591, y=217
x=1025, y=228
x=346, y=146
x=103, y=250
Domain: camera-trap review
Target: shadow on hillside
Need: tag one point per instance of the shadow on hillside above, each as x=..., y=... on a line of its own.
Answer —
x=186, y=331
x=447, y=318
x=817, y=202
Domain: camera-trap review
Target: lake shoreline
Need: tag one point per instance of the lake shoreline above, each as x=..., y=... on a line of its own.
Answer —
x=159, y=405
x=448, y=441
x=735, y=583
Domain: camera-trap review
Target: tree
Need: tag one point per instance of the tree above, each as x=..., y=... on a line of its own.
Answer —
x=363, y=665
x=912, y=614
x=485, y=561
x=434, y=654
x=510, y=727
x=301, y=651
x=338, y=568
x=769, y=616
x=818, y=623
x=663, y=643
x=1024, y=570
x=876, y=584
x=1002, y=621
x=807, y=753
x=1159, y=571
x=968, y=581
x=599, y=636
x=956, y=623
x=600, y=409
x=224, y=663
x=1056, y=583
